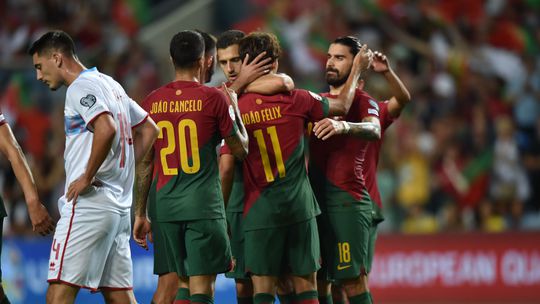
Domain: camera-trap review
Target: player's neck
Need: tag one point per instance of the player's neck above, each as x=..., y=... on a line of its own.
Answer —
x=187, y=75
x=336, y=90
x=72, y=70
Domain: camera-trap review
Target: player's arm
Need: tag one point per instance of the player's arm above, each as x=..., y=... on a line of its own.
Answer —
x=143, y=179
x=368, y=129
x=251, y=71
x=271, y=84
x=226, y=175
x=239, y=141
x=144, y=136
x=340, y=106
x=400, y=95
x=104, y=132
x=41, y=221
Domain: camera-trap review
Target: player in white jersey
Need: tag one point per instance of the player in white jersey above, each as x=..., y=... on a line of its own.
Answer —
x=106, y=134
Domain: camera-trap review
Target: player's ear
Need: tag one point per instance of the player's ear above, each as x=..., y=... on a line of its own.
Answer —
x=275, y=65
x=57, y=58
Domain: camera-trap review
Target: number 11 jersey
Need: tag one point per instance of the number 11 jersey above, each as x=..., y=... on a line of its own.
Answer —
x=192, y=119
x=277, y=189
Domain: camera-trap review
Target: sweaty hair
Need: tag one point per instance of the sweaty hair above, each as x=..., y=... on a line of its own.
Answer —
x=209, y=42
x=186, y=48
x=53, y=41
x=352, y=42
x=228, y=38
x=258, y=42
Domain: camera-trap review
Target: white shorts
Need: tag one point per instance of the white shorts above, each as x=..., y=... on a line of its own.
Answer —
x=91, y=249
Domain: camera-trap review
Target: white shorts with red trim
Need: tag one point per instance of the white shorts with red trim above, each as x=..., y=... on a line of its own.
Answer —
x=90, y=248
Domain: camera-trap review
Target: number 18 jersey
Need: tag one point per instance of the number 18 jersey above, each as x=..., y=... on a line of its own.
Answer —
x=277, y=190
x=192, y=119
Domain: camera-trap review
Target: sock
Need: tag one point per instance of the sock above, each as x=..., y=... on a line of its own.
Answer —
x=201, y=298
x=5, y=300
x=244, y=300
x=263, y=298
x=363, y=298
x=286, y=298
x=182, y=296
x=307, y=297
x=327, y=299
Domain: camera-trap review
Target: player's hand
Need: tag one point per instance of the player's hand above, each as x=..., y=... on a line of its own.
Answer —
x=42, y=223
x=79, y=186
x=253, y=70
x=380, y=63
x=363, y=59
x=141, y=231
x=327, y=128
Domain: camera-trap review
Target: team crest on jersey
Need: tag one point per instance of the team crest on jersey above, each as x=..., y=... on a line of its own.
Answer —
x=374, y=104
x=316, y=96
x=88, y=101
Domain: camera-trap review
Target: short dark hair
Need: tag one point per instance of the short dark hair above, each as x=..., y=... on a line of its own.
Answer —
x=53, y=41
x=228, y=38
x=209, y=42
x=186, y=48
x=258, y=42
x=352, y=42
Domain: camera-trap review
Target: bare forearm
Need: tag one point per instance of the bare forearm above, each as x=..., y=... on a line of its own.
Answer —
x=143, y=180
x=144, y=137
x=397, y=88
x=23, y=174
x=101, y=145
x=364, y=130
x=271, y=84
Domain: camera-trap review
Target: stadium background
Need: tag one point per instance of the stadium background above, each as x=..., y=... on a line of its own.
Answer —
x=460, y=169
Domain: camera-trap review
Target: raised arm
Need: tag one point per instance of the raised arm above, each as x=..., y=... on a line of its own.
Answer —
x=251, y=71
x=41, y=221
x=341, y=105
x=400, y=95
x=271, y=84
x=238, y=142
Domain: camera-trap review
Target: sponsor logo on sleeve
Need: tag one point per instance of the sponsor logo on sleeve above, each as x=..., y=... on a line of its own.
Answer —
x=374, y=104
x=373, y=112
x=88, y=101
x=315, y=95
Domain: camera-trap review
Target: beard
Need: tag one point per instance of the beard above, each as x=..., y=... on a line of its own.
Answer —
x=336, y=79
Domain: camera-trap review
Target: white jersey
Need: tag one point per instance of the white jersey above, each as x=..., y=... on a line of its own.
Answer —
x=90, y=95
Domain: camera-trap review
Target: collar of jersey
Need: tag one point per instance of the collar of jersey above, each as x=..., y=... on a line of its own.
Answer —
x=183, y=84
x=88, y=70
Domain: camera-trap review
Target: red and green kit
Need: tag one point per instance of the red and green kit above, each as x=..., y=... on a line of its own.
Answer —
x=192, y=119
x=277, y=189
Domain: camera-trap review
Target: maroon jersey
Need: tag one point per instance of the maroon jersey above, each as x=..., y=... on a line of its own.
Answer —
x=277, y=190
x=336, y=163
x=192, y=119
x=372, y=155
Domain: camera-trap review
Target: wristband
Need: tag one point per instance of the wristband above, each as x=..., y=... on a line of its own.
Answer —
x=346, y=127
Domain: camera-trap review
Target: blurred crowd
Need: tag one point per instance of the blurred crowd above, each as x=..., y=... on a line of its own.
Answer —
x=465, y=155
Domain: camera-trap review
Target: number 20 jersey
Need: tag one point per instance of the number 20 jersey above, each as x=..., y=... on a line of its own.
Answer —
x=192, y=119
x=277, y=189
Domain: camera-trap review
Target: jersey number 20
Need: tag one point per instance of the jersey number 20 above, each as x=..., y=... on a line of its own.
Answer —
x=186, y=127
